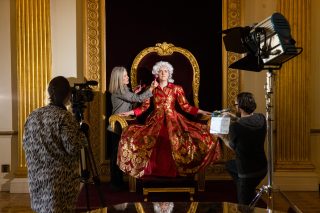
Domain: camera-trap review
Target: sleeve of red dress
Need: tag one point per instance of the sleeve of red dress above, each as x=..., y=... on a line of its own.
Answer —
x=183, y=102
x=140, y=110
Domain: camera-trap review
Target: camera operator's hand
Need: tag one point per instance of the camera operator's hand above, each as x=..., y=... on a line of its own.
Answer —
x=232, y=116
x=85, y=128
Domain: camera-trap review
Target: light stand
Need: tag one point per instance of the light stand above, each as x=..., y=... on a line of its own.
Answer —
x=267, y=189
x=267, y=45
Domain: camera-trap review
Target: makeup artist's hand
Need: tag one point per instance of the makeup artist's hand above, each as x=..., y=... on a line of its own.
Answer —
x=137, y=89
x=154, y=84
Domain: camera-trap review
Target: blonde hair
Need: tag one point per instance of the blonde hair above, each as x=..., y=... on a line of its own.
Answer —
x=159, y=64
x=116, y=80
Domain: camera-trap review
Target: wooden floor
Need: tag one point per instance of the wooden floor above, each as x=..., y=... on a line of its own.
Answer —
x=308, y=202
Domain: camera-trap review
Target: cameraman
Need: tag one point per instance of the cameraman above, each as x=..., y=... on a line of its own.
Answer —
x=52, y=141
x=246, y=138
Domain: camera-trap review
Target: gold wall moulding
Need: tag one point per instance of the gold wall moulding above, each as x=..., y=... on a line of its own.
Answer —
x=12, y=132
x=94, y=69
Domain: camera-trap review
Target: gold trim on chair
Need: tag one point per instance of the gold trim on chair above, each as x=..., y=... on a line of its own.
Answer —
x=117, y=118
x=166, y=49
x=192, y=209
x=171, y=189
x=123, y=121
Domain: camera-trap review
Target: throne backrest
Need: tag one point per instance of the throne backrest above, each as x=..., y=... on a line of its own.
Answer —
x=186, y=71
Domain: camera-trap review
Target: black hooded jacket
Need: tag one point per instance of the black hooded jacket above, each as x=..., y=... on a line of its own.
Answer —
x=247, y=137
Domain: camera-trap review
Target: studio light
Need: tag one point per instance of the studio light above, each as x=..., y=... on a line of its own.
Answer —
x=268, y=43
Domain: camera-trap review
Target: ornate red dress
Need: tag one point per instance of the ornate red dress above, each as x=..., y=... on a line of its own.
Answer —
x=168, y=144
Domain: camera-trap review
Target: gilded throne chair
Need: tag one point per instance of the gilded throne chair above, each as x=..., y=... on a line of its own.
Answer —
x=186, y=74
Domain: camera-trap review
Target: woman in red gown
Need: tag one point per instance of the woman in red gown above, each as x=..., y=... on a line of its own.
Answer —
x=168, y=144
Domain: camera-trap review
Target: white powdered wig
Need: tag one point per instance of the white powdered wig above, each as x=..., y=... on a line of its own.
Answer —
x=159, y=64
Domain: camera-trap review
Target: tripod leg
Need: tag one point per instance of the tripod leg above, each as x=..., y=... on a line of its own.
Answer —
x=89, y=171
x=96, y=181
x=94, y=171
x=85, y=175
x=263, y=189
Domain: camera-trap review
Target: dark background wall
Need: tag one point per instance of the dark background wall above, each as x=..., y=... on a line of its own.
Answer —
x=132, y=25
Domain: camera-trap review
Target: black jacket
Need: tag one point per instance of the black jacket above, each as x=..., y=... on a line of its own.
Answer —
x=247, y=137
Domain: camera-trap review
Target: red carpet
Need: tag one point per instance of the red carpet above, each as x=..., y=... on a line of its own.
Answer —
x=216, y=191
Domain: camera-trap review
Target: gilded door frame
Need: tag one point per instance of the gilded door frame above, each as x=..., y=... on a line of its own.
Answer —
x=94, y=69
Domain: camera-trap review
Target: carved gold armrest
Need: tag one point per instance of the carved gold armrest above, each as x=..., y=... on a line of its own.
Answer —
x=120, y=119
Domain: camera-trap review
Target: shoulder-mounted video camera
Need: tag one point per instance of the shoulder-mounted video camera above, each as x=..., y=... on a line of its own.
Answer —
x=80, y=94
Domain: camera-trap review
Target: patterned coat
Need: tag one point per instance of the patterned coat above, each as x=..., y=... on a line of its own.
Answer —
x=52, y=141
x=168, y=144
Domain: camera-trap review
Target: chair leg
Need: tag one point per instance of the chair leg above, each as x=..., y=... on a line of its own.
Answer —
x=132, y=184
x=201, y=180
